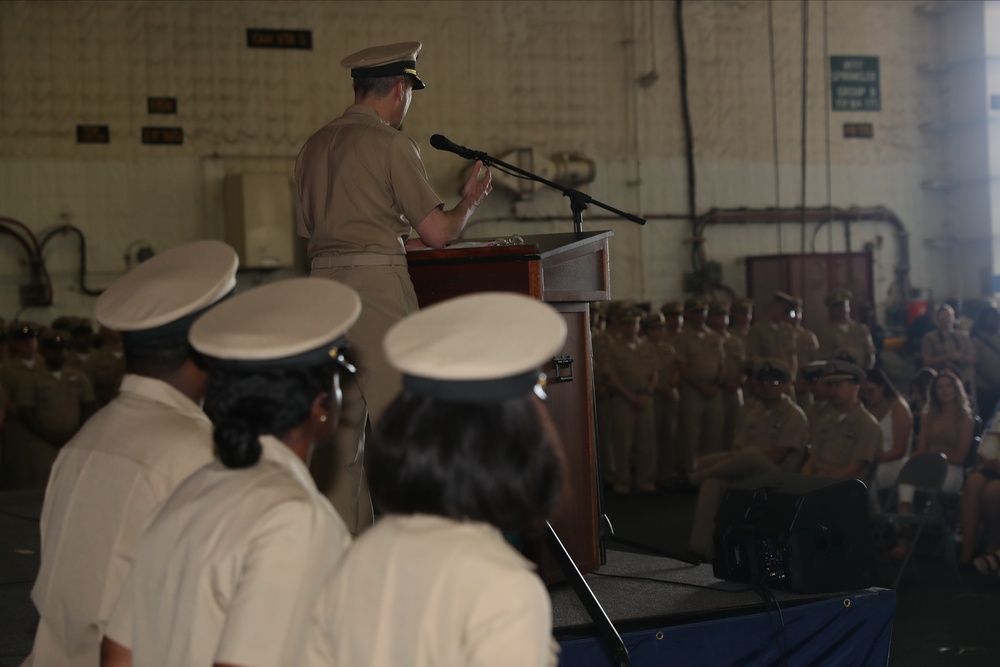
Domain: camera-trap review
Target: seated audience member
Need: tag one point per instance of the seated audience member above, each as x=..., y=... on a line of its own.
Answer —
x=946, y=427
x=917, y=396
x=882, y=400
x=112, y=477
x=812, y=373
x=464, y=452
x=770, y=436
x=980, y=509
x=847, y=439
x=949, y=348
x=228, y=570
x=985, y=337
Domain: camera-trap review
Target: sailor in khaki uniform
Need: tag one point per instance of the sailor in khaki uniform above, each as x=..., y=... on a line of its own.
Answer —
x=434, y=582
x=701, y=364
x=666, y=401
x=848, y=439
x=112, y=477
x=602, y=343
x=228, y=570
x=361, y=190
x=771, y=437
x=673, y=312
x=740, y=319
x=52, y=406
x=806, y=352
x=106, y=366
x=843, y=333
x=733, y=378
x=773, y=337
x=22, y=364
x=632, y=377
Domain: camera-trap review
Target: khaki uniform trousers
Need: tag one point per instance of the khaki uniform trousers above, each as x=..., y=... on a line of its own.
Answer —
x=732, y=402
x=701, y=423
x=725, y=468
x=387, y=296
x=634, y=446
x=670, y=460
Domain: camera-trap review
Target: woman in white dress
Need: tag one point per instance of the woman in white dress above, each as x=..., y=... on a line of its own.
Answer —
x=896, y=421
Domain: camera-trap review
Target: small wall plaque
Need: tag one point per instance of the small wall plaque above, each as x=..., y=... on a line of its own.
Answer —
x=164, y=136
x=262, y=38
x=859, y=131
x=93, y=134
x=165, y=105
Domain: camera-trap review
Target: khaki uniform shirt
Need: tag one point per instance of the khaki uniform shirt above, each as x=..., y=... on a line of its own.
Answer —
x=764, y=430
x=602, y=344
x=843, y=439
x=633, y=364
x=427, y=591
x=15, y=371
x=987, y=349
x=735, y=355
x=58, y=400
x=806, y=346
x=105, y=368
x=360, y=185
x=666, y=367
x=936, y=344
x=702, y=353
x=229, y=569
x=775, y=341
x=105, y=487
x=851, y=336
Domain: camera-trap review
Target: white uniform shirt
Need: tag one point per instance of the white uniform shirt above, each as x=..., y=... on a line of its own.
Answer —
x=229, y=569
x=427, y=591
x=105, y=487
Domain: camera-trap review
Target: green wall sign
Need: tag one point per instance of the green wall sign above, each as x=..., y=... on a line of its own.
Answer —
x=855, y=83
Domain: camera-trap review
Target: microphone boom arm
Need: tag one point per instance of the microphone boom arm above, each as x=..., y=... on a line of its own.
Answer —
x=579, y=201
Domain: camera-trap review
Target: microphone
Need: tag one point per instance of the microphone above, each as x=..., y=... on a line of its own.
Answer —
x=442, y=143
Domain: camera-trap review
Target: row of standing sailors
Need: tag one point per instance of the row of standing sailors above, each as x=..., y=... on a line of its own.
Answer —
x=51, y=382
x=669, y=385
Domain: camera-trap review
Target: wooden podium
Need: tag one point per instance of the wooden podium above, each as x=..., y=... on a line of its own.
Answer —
x=568, y=271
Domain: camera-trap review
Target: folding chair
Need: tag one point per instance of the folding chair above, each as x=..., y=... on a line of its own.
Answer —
x=926, y=472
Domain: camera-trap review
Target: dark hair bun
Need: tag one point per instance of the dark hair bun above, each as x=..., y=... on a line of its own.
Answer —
x=237, y=444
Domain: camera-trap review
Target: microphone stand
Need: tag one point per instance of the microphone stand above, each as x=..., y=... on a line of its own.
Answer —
x=606, y=630
x=578, y=201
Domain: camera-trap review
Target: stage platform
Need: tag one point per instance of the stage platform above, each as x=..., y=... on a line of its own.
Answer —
x=672, y=613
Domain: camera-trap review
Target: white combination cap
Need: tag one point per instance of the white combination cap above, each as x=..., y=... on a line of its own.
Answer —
x=170, y=289
x=479, y=348
x=289, y=323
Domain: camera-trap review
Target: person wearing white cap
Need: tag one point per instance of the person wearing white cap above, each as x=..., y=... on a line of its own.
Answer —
x=362, y=189
x=464, y=452
x=227, y=572
x=113, y=475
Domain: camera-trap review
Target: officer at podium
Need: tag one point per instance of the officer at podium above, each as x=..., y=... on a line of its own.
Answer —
x=361, y=189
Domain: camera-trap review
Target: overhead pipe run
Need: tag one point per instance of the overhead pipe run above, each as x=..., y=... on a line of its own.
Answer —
x=825, y=215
